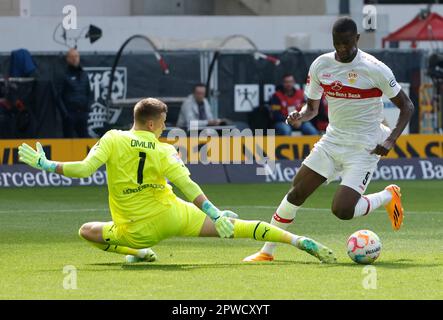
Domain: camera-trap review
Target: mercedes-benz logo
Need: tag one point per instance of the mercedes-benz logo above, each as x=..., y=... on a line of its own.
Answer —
x=336, y=85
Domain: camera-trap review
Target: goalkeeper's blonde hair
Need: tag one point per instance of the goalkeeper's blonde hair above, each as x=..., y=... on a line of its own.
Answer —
x=148, y=109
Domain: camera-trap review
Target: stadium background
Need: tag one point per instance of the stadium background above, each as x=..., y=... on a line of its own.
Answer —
x=187, y=33
x=188, y=58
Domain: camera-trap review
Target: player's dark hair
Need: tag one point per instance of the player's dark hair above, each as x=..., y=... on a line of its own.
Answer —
x=287, y=75
x=198, y=85
x=344, y=24
x=149, y=109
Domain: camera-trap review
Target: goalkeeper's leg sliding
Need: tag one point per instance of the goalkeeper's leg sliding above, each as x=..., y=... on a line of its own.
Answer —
x=92, y=233
x=258, y=230
x=263, y=231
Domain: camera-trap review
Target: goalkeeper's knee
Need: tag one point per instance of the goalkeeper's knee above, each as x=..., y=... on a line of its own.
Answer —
x=82, y=233
x=88, y=232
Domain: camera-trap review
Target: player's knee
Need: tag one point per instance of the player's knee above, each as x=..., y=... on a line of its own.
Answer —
x=296, y=196
x=342, y=212
x=85, y=231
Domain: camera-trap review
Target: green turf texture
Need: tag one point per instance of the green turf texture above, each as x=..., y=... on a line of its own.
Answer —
x=38, y=236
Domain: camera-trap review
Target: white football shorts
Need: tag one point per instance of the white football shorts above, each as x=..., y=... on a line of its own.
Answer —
x=354, y=165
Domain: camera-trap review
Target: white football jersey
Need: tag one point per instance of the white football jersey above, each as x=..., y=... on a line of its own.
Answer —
x=354, y=92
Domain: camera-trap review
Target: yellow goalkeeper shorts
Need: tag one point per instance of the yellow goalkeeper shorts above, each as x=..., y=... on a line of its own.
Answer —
x=182, y=219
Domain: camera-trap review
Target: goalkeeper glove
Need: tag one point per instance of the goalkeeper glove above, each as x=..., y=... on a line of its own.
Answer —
x=229, y=214
x=224, y=227
x=36, y=159
x=221, y=220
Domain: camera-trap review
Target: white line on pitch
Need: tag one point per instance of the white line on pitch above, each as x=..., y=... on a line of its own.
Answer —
x=323, y=209
x=106, y=210
x=55, y=210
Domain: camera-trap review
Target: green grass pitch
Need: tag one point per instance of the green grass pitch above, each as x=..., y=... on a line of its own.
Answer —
x=38, y=236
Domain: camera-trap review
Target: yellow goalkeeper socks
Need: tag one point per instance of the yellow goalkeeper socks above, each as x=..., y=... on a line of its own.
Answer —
x=263, y=231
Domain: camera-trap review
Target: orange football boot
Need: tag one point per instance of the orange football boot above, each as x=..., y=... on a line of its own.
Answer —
x=259, y=257
x=394, y=207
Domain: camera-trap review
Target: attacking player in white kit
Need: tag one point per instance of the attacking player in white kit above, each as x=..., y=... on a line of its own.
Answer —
x=355, y=139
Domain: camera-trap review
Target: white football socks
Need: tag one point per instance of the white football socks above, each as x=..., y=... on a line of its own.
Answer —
x=282, y=218
x=370, y=202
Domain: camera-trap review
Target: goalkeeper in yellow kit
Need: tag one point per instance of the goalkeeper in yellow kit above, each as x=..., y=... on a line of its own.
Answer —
x=143, y=207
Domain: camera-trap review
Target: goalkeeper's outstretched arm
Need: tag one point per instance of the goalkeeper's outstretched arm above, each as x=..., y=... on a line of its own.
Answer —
x=77, y=169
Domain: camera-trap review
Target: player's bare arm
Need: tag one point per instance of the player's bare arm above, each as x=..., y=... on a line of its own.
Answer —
x=307, y=112
x=406, y=107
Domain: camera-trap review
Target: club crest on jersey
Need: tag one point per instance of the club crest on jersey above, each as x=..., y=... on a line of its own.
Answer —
x=336, y=85
x=352, y=77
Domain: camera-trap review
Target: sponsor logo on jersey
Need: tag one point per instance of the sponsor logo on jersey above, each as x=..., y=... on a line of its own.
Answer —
x=336, y=85
x=338, y=90
x=142, y=187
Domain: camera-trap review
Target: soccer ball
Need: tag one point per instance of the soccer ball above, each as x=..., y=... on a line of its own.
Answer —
x=364, y=246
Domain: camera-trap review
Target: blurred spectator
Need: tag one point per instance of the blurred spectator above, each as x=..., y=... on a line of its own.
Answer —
x=321, y=120
x=22, y=64
x=17, y=96
x=285, y=100
x=75, y=97
x=196, y=108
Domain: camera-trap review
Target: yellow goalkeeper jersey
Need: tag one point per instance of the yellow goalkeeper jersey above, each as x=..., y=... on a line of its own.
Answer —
x=137, y=165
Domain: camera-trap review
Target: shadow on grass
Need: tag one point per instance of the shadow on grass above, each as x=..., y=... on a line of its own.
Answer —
x=193, y=266
x=122, y=266
x=392, y=264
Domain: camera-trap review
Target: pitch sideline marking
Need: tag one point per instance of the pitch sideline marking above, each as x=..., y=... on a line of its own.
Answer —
x=223, y=207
